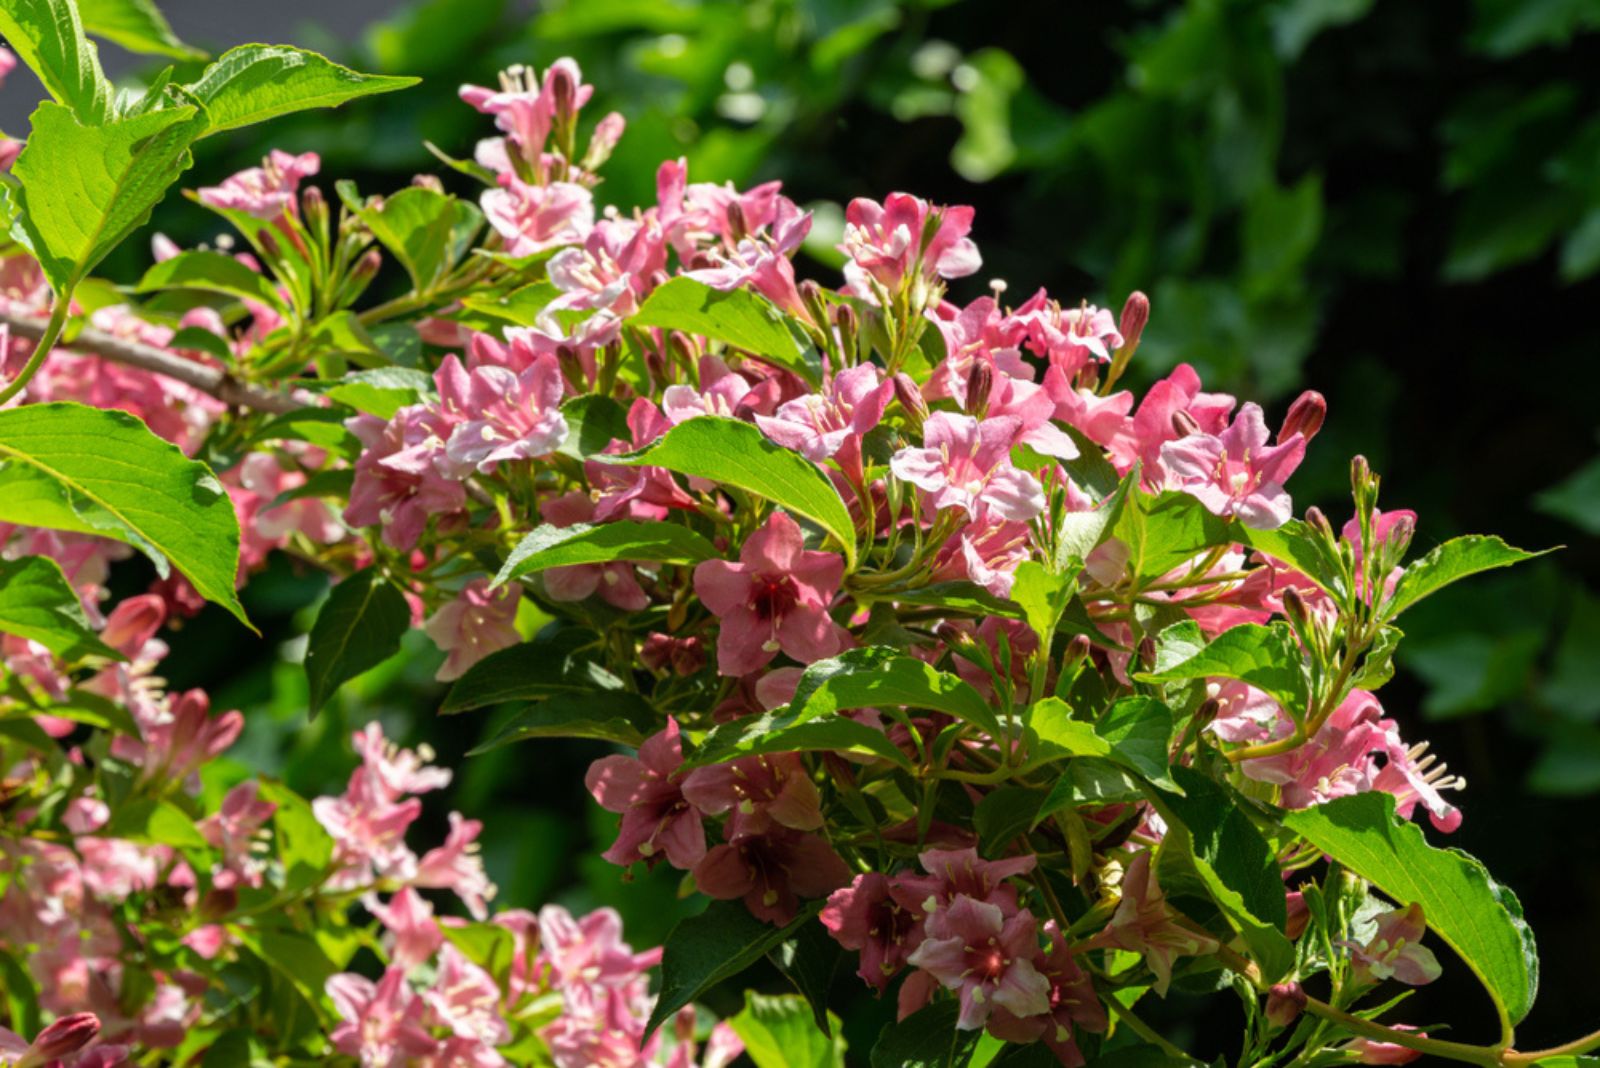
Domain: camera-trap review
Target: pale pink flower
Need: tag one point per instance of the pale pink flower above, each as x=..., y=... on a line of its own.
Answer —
x=182, y=739
x=1154, y=423
x=414, y=933
x=1372, y=1051
x=1069, y=337
x=235, y=830
x=85, y=815
x=381, y=1023
x=457, y=866
x=775, y=598
x=268, y=191
x=979, y=333
x=396, y=771
x=479, y=621
x=965, y=464
x=1236, y=473
x=720, y=392
x=465, y=999
x=972, y=947
x=1395, y=951
x=902, y=237
x=657, y=820
x=533, y=218
x=499, y=415
x=612, y=269
x=403, y=476
x=832, y=423
x=591, y=949
x=1144, y=923
x=758, y=266
x=987, y=551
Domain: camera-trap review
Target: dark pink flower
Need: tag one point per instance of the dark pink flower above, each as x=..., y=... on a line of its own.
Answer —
x=403, y=476
x=869, y=917
x=657, y=820
x=964, y=464
x=771, y=872
x=1236, y=473
x=758, y=792
x=1073, y=1004
x=636, y=492
x=956, y=873
x=972, y=947
x=775, y=598
x=381, y=1023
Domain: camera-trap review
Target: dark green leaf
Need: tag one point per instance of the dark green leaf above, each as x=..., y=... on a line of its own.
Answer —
x=581, y=543
x=926, y=1039
x=359, y=627
x=593, y=422
x=158, y=822
x=255, y=82
x=1139, y=730
x=809, y=960
x=539, y=668
x=1297, y=545
x=612, y=716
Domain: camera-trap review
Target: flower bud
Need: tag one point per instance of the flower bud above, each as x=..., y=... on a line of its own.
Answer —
x=1185, y=424
x=1285, y=1002
x=430, y=182
x=1135, y=314
x=314, y=208
x=1076, y=652
x=367, y=266
x=1360, y=476
x=980, y=381
x=1294, y=606
x=572, y=368
x=682, y=350
x=61, y=1039
x=270, y=244
x=563, y=92
x=811, y=296
x=1205, y=714
x=1318, y=521
x=1305, y=416
x=910, y=398
x=1398, y=539
x=737, y=227
x=604, y=141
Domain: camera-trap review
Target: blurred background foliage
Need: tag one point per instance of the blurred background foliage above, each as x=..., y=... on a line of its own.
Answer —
x=1397, y=203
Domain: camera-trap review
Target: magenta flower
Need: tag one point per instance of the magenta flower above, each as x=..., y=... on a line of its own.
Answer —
x=657, y=820
x=821, y=425
x=266, y=192
x=500, y=415
x=636, y=492
x=889, y=242
x=479, y=621
x=1395, y=951
x=964, y=464
x=403, y=476
x=1236, y=473
x=759, y=791
x=1144, y=923
x=1154, y=423
x=771, y=872
x=533, y=218
x=457, y=866
x=381, y=1023
x=973, y=948
x=868, y=916
x=1372, y=1051
x=1073, y=1004
x=954, y=873
x=775, y=598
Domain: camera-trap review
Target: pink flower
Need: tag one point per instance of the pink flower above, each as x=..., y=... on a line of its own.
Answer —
x=821, y=425
x=987, y=551
x=591, y=949
x=408, y=918
x=759, y=792
x=720, y=392
x=973, y=948
x=177, y=743
x=1073, y=1004
x=1236, y=473
x=381, y=1023
x=870, y=917
x=478, y=622
x=266, y=192
x=235, y=830
x=457, y=866
x=368, y=828
x=978, y=333
x=403, y=476
x=775, y=598
x=68, y=1034
x=612, y=270
x=1069, y=337
x=1372, y=1051
x=657, y=820
x=465, y=999
x=394, y=771
x=615, y=580
x=902, y=237
x=1154, y=422
x=954, y=873
x=1145, y=924
x=533, y=218
x=771, y=872
x=636, y=492
x=1395, y=951
x=964, y=464
x=500, y=415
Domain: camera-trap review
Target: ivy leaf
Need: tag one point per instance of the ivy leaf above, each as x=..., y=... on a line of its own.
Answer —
x=714, y=945
x=582, y=543
x=120, y=170
x=614, y=716
x=549, y=664
x=136, y=25
x=37, y=603
x=91, y=471
x=738, y=317
x=1266, y=657
x=926, y=1039
x=1454, y=560
x=778, y=1033
x=210, y=272
x=255, y=82
x=359, y=627
x=1478, y=918
x=48, y=36
x=737, y=454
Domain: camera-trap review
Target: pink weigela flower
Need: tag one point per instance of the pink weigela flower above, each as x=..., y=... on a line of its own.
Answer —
x=657, y=820
x=964, y=464
x=266, y=192
x=1236, y=473
x=972, y=947
x=500, y=415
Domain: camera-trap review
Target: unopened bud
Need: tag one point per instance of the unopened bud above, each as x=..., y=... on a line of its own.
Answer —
x=572, y=368
x=815, y=303
x=366, y=267
x=1360, y=476
x=1147, y=652
x=270, y=244
x=682, y=350
x=1305, y=416
x=1184, y=424
x=1285, y=1002
x=910, y=398
x=314, y=207
x=1294, y=606
x=1076, y=652
x=1206, y=713
x=430, y=182
x=1316, y=519
x=61, y=1039
x=980, y=381
x=1398, y=538
x=563, y=91
x=737, y=226
x=1135, y=314
x=604, y=140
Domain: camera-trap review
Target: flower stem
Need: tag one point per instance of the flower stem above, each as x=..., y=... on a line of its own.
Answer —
x=41, y=348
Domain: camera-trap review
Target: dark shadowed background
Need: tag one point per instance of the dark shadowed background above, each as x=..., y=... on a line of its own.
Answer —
x=1396, y=203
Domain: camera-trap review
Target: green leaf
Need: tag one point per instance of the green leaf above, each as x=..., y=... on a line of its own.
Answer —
x=1377, y=667
x=305, y=849
x=1080, y=533
x=211, y=272
x=1090, y=469
x=593, y=422
x=297, y=958
x=421, y=227
x=1140, y=732
x=1267, y=657
x=714, y=945
x=611, y=716
x=37, y=603
x=1575, y=499
x=539, y=668
x=95, y=711
x=1296, y=544
x=1166, y=530
x=359, y=627
x=960, y=596
x=810, y=960
x=925, y=1039
x=550, y=546
x=382, y=391
x=769, y=733
x=91, y=471
x=778, y=1033
x=519, y=307
x=152, y=821
x=120, y=171
x=1474, y=915
x=1455, y=559
x=48, y=36
x=1004, y=813
x=737, y=454
x=1043, y=596
x=738, y=317
x=319, y=426
x=255, y=82
x=136, y=25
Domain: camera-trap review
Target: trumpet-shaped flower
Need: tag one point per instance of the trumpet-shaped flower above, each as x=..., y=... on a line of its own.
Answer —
x=657, y=820
x=966, y=464
x=1236, y=473
x=975, y=949
x=499, y=415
